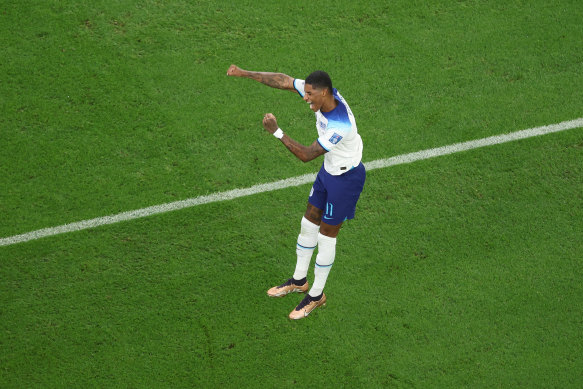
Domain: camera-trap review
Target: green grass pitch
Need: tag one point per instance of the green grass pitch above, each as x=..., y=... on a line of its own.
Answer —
x=458, y=271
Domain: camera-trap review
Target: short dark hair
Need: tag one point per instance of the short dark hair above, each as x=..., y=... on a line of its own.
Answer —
x=319, y=79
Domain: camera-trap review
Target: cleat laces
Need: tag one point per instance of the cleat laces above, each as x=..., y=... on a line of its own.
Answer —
x=287, y=283
x=304, y=302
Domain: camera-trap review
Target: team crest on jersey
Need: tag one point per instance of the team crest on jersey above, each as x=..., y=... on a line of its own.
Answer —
x=335, y=138
x=322, y=125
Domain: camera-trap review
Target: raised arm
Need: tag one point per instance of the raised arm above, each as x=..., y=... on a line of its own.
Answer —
x=274, y=80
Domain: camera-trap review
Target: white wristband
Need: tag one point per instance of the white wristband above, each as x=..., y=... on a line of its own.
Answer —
x=278, y=133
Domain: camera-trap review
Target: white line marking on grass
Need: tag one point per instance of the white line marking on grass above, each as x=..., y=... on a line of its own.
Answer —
x=474, y=144
x=287, y=183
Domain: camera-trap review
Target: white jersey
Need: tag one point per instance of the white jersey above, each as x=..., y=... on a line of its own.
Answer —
x=337, y=134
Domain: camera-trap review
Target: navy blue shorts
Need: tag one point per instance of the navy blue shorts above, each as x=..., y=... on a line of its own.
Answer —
x=337, y=195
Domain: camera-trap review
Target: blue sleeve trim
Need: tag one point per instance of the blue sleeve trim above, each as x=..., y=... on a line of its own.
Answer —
x=322, y=145
x=297, y=90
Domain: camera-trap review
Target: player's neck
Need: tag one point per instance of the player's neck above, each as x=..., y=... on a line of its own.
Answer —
x=329, y=104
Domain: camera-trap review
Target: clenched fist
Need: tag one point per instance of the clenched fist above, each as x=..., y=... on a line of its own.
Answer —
x=270, y=123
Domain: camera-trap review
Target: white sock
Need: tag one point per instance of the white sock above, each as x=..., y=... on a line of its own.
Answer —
x=324, y=262
x=307, y=242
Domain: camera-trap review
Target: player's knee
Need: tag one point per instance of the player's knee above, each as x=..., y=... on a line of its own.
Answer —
x=329, y=230
x=308, y=227
x=308, y=237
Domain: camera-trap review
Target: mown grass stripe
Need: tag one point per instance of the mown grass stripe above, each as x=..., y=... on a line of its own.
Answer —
x=287, y=183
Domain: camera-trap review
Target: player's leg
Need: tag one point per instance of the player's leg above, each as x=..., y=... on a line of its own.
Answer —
x=313, y=214
x=324, y=260
x=310, y=228
x=325, y=257
x=343, y=194
x=306, y=244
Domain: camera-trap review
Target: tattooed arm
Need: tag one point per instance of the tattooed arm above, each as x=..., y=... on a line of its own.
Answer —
x=274, y=80
x=303, y=153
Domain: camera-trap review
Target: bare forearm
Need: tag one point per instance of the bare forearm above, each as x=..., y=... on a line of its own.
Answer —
x=303, y=153
x=274, y=80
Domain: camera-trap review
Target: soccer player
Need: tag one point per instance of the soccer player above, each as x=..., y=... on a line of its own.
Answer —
x=338, y=185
